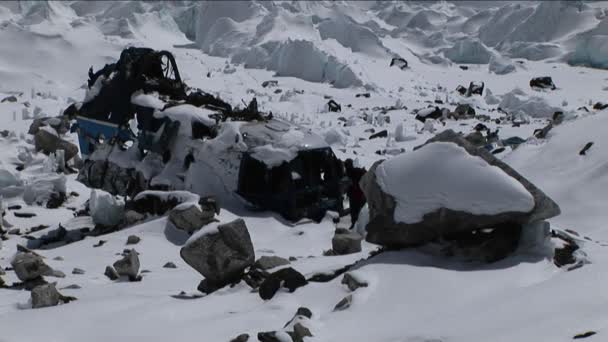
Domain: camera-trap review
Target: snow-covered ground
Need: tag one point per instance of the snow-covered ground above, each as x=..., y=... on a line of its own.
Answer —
x=230, y=48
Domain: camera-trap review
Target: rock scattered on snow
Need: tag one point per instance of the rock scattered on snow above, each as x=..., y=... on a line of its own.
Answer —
x=133, y=239
x=169, y=265
x=128, y=266
x=353, y=282
x=344, y=304
x=78, y=271
x=241, y=338
x=220, y=252
x=29, y=266
x=47, y=295
x=346, y=242
x=544, y=82
x=189, y=217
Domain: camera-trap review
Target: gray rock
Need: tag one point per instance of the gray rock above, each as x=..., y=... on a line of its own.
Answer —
x=221, y=256
x=190, y=219
x=132, y=217
x=241, y=338
x=48, y=143
x=346, y=242
x=45, y=295
x=128, y=266
x=353, y=282
x=477, y=139
x=268, y=262
x=111, y=273
x=72, y=287
x=11, y=98
x=58, y=258
x=169, y=265
x=299, y=332
x=383, y=230
x=344, y=304
x=78, y=271
x=29, y=266
x=133, y=239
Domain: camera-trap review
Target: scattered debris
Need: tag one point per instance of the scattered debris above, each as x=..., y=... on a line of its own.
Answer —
x=399, y=62
x=583, y=152
x=333, y=106
x=542, y=83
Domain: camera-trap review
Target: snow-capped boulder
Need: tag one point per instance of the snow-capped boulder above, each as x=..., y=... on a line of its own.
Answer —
x=220, y=252
x=105, y=209
x=447, y=186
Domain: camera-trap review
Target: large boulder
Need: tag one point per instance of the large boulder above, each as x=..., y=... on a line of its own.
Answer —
x=29, y=266
x=45, y=295
x=220, y=252
x=105, y=209
x=447, y=186
x=48, y=141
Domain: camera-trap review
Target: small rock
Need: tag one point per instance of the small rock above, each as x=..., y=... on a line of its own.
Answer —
x=353, y=282
x=58, y=258
x=268, y=262
x=584, y=335
x=133, y=239
x=111, y=273
x=72, y=287
x=100, y=243
x=241, y=338
x=24, y=215
x=381, y=134
x=78, y=271
x=169, y=265
x=344, y=304
x=586, y=148
x=128, y=265
x=11, y=98
x=45, y=295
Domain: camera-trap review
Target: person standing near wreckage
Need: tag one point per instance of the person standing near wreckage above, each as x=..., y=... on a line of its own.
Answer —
x=356, y=198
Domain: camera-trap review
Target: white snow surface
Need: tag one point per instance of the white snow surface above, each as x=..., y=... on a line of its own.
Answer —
x=423, y=181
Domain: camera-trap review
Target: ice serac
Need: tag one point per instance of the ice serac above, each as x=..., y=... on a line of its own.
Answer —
x=447, y=186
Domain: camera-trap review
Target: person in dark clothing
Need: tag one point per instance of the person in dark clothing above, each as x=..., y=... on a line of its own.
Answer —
x=356, y=198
